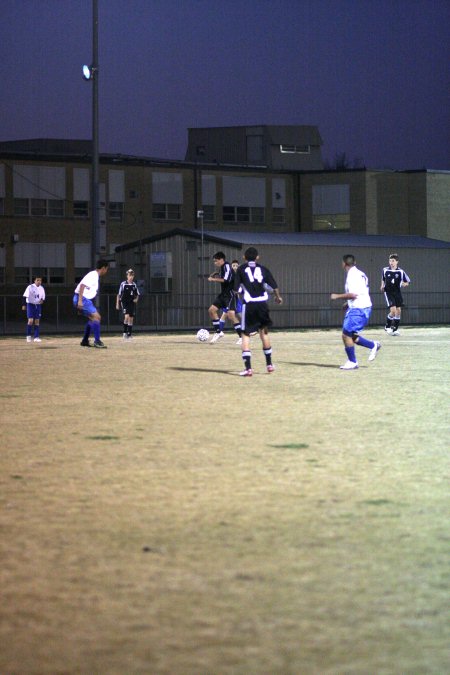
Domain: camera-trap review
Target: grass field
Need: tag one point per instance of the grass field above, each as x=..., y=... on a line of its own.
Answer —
x=162, y=515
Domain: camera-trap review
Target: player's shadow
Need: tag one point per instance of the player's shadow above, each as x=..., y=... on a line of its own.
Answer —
x=309, y=363
x=203, y=370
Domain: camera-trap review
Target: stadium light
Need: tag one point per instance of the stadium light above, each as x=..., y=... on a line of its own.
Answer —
x=88, y=72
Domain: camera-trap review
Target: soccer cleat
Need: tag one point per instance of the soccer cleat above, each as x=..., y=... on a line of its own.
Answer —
x=270, y=368
x=37, y=339
x=99, y=344
x=29, y=339
x=239, y=341
x=246, y=373
x=375, y=349
x=395, y=331
x=389, y=330
x=216, y=337
x=350, y=365
x=125, y=336
x=85, y=342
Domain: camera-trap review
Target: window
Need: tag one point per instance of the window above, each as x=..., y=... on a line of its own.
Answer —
x=81, y=209
x=209, y=214
x=50, y=275
x=56, y=208
x=331, y=207
x=116, y=210
x=243, y=214
x=21, y=207
x=278, y=216
x=38, y=207
x=166, y=211
x=295, y=149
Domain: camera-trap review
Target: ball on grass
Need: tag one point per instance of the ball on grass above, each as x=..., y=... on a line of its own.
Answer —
x=203, y=335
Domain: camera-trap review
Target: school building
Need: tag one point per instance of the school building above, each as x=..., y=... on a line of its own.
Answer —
x=241, y=182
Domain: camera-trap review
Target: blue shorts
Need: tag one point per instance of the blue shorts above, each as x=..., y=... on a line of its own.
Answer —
x=34, y=311
x=88, y=305
x=356, y=319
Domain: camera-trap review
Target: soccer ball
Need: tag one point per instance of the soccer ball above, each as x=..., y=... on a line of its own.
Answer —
x=203, y=335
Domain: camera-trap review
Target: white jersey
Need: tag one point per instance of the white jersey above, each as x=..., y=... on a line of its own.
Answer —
x=34, y=294
x=90, y=281
x=357, y=283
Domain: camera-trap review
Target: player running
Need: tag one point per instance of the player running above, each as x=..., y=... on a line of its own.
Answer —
x=225, y=277
x=250, y=281
x=359, y=308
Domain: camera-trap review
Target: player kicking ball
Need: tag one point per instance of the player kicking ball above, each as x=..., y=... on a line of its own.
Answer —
x=358, y=313
x=251, y=281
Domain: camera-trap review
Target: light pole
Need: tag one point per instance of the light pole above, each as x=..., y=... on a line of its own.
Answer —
x=200, y=215
x=91, y=73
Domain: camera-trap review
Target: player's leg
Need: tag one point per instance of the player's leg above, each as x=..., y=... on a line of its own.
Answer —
x=37, y=330
x=396, y=321
x=246, y=353
x=213, y=312
x=95, y=320
x=30, y=322
x=390, y=316
x=267, y=348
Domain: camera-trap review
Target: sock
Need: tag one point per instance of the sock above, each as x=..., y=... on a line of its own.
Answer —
x=215, y=325
x=96, y=329
x=221, y=325
x=130, y=328
x=36, y=331
x=351, y=354
x=268, y=355
x=247, y=359
x=125, y=328
x=238, y=328
x=396, y=324
x=389, y=320
x=362, y=342
x=29, y=330
x=87, y=330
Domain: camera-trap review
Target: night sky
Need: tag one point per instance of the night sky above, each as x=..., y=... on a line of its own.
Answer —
x=373, y=75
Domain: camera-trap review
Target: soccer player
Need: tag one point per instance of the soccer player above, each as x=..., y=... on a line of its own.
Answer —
x=250, y=281
x=34, y=297
x=359, y=308
x=84, y=295
x=233, y=311
x=225, y=277
x=127, y=297
x=392, y=280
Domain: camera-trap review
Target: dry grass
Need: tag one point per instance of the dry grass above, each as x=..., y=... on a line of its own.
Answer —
x=161, y=515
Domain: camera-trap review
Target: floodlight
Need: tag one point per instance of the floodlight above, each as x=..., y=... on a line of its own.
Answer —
x=88, y=72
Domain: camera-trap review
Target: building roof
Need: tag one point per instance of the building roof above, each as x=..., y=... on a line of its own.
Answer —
x=240, y=239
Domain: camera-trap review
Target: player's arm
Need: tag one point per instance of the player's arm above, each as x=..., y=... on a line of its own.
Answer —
x=80, y=296
x=215, y=277
x=137, y=294
x=343, y=296
x=405, y=280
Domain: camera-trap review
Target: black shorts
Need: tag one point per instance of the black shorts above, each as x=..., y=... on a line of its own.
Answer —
x=223, y=300
x=394, y=298
x=129, y=309
x=255, y=315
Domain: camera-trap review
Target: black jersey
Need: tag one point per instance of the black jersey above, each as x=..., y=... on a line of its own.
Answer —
x=128, y=292
x=252, y=280
x=392, y=279
x=227, y=274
